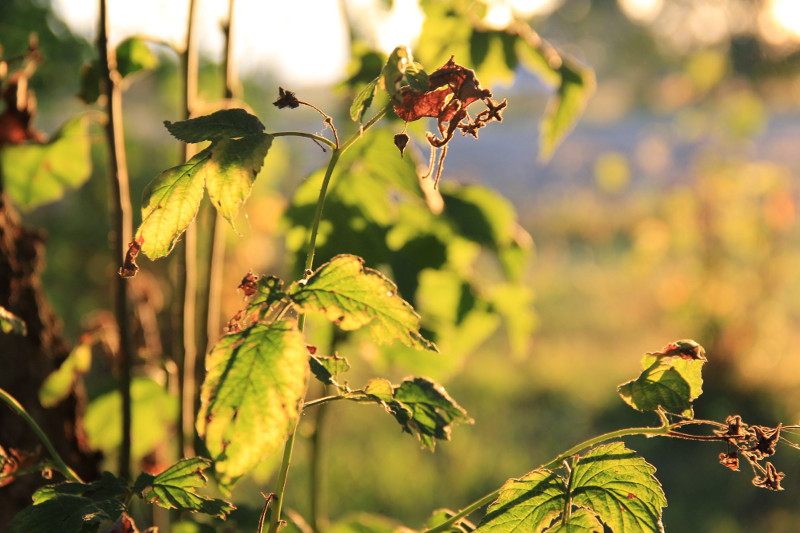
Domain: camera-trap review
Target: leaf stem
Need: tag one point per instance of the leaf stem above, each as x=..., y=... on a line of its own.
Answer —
x=275, y=517
x=313, y=137
x=123, y=223
x=57, y=460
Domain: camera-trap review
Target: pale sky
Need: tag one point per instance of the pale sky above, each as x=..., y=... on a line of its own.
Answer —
x=303, y=41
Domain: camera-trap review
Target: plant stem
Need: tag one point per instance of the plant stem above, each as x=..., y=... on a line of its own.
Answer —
x=318, y=138
x=216, y=260
x=275, y=517
x=474, y=506
x=189, y=289
x=123, y=224
x=59, y=462
x=316, y=512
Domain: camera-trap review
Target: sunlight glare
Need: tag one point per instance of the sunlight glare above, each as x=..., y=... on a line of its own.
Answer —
x=644, y=11
x=783, y=18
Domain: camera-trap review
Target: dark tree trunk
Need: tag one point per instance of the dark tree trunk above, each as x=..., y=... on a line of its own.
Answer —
x=25, y=361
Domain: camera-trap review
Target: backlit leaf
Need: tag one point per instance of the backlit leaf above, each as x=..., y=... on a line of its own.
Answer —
x=326, y=367
x=169, y=204
x=619, y=486
x=576, y=87
x=154, y=411
x=530, y=503
x=175, y=488
x=231, y=169
x=610, y=483
x=421, y=406
x=672, y=379
x=134, y=55
x=363, y=100
x=223, y=124
x=37, y=174
x=254, y=381
x=354, y=296
x=59, y=383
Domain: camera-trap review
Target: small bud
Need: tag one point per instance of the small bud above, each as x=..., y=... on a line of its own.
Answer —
x=401, y=140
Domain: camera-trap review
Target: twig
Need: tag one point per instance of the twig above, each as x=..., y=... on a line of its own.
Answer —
x=123, y=224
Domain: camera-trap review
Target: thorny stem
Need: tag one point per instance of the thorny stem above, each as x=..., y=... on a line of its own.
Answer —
x=57, y=460
x=337, y=152
x=123, y=224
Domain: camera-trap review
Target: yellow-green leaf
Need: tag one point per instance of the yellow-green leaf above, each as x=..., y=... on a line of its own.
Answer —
x=254, y=381
x=231, y=169
x=169, y=204
x=354, y=296
x=576, y=87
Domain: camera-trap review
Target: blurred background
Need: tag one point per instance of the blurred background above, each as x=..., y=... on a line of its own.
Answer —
x=669, y=212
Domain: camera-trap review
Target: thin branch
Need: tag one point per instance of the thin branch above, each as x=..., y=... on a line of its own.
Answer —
x=123, y=224
x=59, y=462
x=189, y=285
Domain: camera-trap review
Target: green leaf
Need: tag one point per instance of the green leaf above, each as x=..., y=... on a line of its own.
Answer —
x=354, y=296
x=154, y=412
x=133, y=55
x=254, y=381
x=576, y=87
x=421, y=406
x=392, y=72
x=416, y=77
x=59, y=383
x=672, y=379
x=169, y=204
x=231, y=169
x=224, y=124
x=11, y=323
x=72, y=507
x=90, y=83
x=619, y=486
x=37, y=174
x=175, y=487
x=66, y=514
x=530, y=503
x=326, y=367
x=362, y=101
x=493, y=56
x=580, y=521
x=611, y=483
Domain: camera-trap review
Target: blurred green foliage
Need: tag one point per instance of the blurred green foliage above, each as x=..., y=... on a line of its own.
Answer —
x=692, y=235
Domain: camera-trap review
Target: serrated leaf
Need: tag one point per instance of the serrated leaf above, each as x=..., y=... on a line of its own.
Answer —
x=576, y=87
x=175, y=487
x=59, y=383
x=254, y=381
x=231, y=169
x=421, y=406
x=72, y=507
x=530, y=503
x=223, y=124
x=580, y=521
x=133, y=55
x=363, y=100
x=169, y=204
x=37, y=174
x=66, y=514
x=354, y=296
x=619, y=486
x=671, y=380
x=11, y=323
x=326, y=367
x=610, y=482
